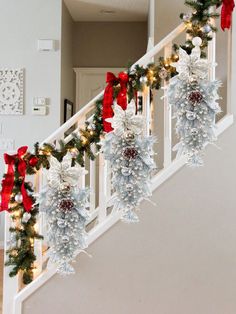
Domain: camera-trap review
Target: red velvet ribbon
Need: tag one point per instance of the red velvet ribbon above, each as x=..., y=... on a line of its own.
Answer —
x=107, y=111
x=8, y=181
x=226, y=13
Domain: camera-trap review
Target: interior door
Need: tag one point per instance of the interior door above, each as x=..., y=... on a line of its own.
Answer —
x=90, y=82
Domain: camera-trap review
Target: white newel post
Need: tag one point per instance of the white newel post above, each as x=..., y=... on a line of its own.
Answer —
x=167, y=117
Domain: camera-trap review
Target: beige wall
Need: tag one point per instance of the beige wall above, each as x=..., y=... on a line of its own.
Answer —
x=67, y=73
x=167, y=16
x=108, y=44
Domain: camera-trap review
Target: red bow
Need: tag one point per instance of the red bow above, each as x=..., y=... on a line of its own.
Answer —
x=107, y=111
x=8, y=181
x=226, y=13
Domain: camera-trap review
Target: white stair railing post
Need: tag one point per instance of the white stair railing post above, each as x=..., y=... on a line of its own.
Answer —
x=212, y=57
x=92, y=175
x=103, y=197
x=146, y=110
x=167, y=117
x=81, y=124
x=38, y=245
x=212, y=50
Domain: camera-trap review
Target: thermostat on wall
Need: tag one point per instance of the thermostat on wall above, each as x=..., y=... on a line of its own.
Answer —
x=46, y=44
x=39, y=110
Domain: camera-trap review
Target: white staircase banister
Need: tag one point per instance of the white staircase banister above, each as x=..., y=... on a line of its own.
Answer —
x=157, y=48
x=102, y=218
x=68, y=124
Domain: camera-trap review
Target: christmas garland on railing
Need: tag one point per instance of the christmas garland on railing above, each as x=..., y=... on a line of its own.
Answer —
x=21, y=251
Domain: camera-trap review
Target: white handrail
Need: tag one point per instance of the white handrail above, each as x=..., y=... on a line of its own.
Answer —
x=157, y=48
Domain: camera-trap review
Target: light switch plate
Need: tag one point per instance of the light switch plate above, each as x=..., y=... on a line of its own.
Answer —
x=39, y=110
x=7, y=144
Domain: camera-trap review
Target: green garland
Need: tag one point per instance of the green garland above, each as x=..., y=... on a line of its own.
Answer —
x=200, y=22
x=80, y=144
x=21, y=254
x=21, y=247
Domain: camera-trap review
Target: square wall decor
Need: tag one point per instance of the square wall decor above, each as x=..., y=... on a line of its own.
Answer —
x=11, y=91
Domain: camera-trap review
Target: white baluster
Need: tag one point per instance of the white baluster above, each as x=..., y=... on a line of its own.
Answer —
x=81, y=124
x=212, y=50
x=108, y=180
x=103, y=197
x=59, y=138
x=92, y=174
x=146, y=110
x=38, y=250
x=212, y=57
x=167, y=118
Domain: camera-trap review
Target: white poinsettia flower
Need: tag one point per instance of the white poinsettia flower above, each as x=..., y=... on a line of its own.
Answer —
x=124, y=120
x=60, y=172
x=191, y=66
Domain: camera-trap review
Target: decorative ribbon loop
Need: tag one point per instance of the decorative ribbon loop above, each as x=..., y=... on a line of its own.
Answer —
x=8, y=181
x=226, y=14
x=107, y=111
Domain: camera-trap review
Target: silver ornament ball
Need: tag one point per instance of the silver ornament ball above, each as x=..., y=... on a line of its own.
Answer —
x=19, y=198
x=129, y=137
x=143, y=79
x=26, y=217
x=206, y=28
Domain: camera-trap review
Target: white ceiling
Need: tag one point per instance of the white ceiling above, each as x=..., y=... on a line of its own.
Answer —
x=91, y=10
